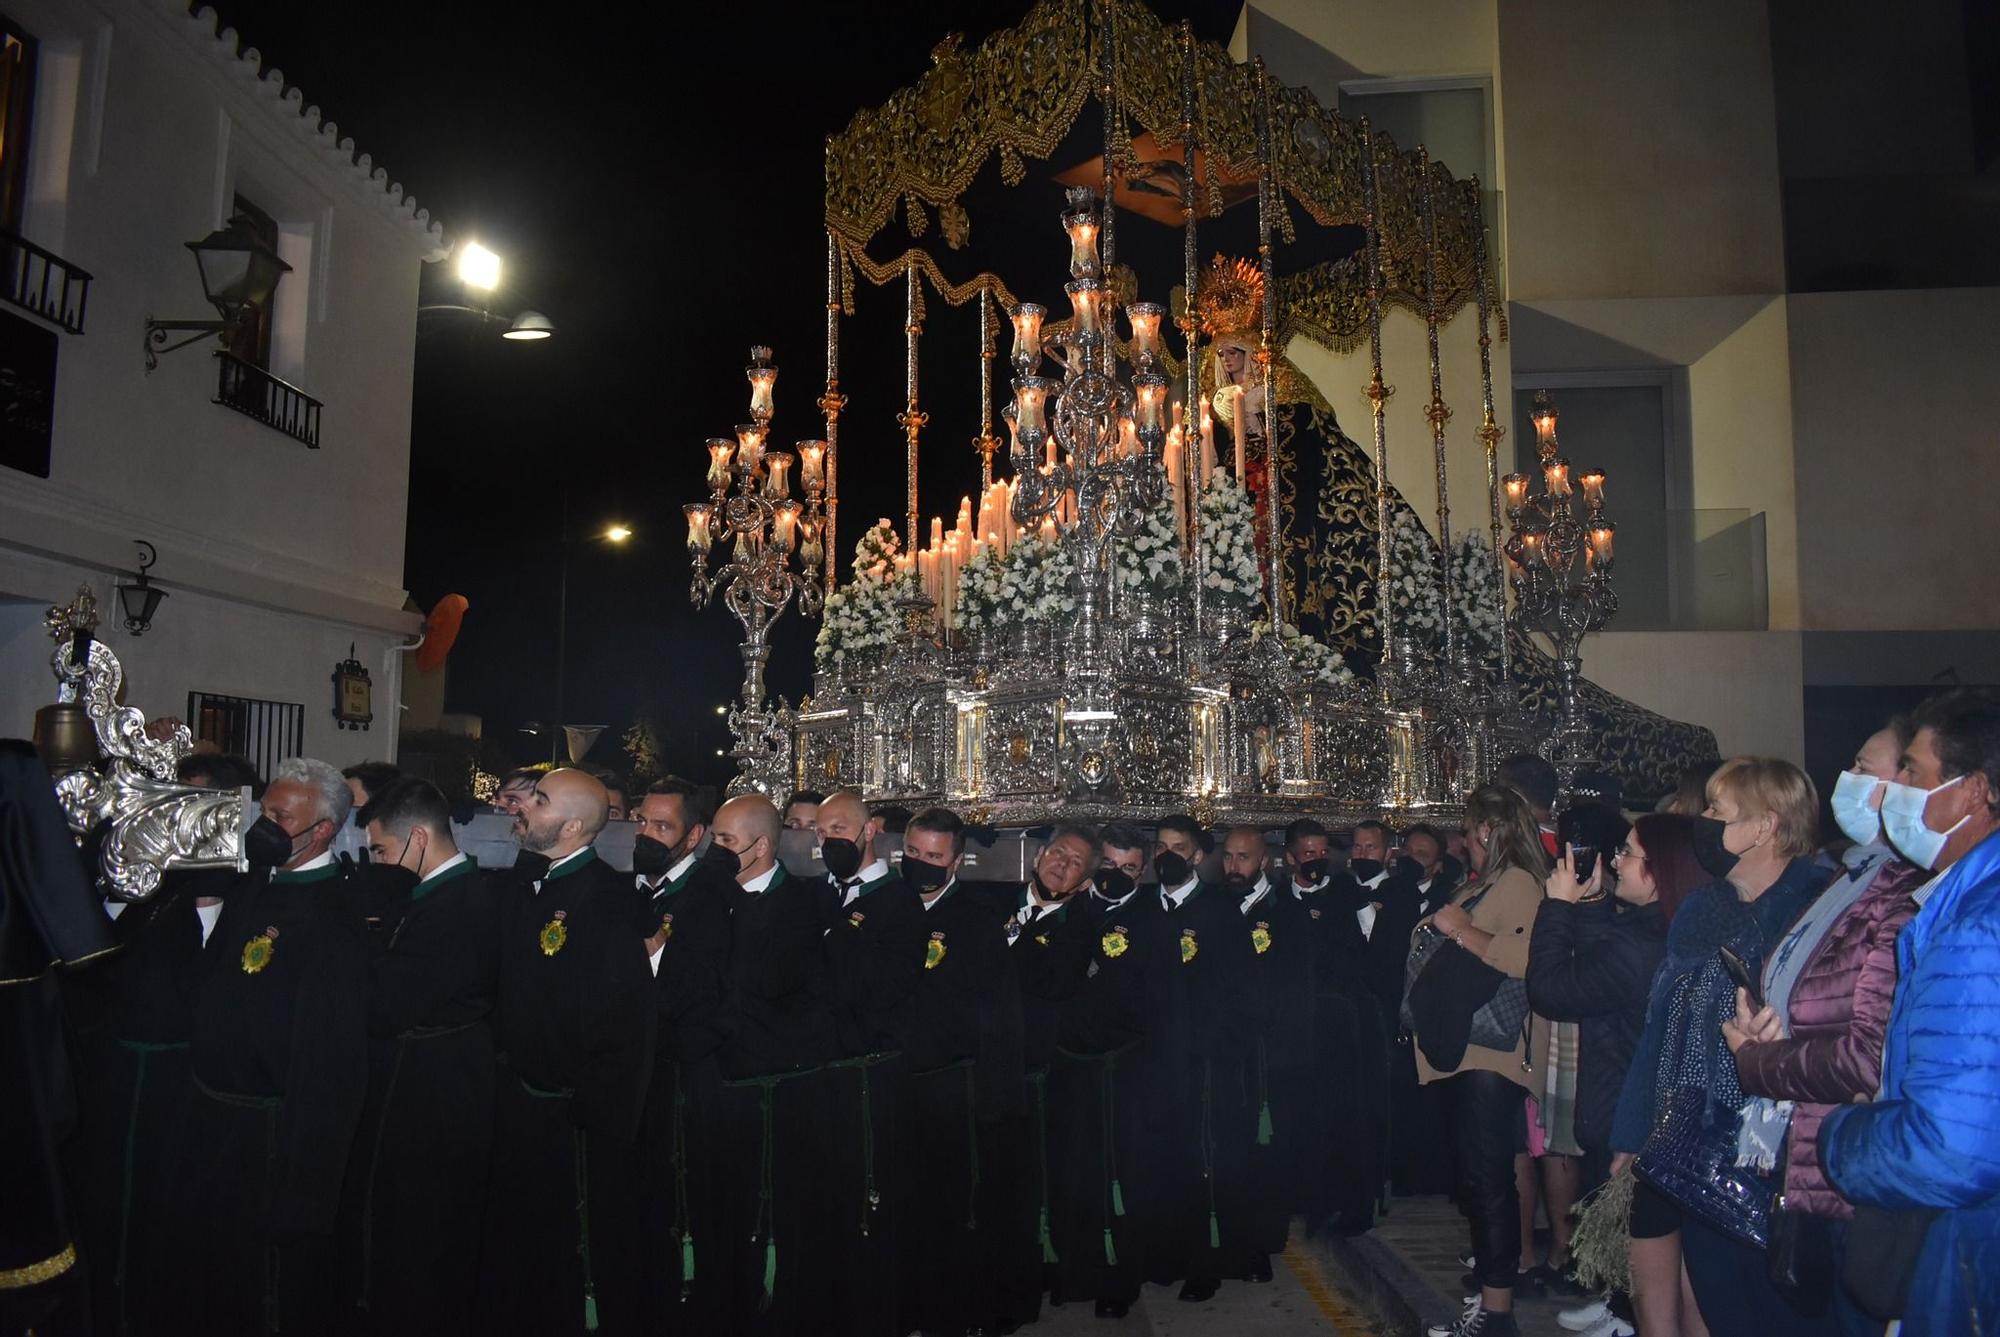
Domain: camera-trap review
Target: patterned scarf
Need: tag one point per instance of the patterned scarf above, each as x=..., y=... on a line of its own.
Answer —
x=1558, y=1099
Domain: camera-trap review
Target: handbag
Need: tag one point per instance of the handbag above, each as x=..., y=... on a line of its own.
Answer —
x=1691, y=1157
x=1799, y=1263
x=1499, y=1023
x=1422, y=951
x=1883, y=1246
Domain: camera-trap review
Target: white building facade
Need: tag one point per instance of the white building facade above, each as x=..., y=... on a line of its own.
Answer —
x=271, y=479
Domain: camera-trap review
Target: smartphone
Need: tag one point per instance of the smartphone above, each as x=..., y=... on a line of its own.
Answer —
x=1740, y=972
x=1585, y=859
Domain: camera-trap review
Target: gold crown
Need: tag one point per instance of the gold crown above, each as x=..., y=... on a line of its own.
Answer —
x=1231, y=299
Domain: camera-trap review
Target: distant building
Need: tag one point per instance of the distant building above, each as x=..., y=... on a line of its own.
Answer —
x=271, y=476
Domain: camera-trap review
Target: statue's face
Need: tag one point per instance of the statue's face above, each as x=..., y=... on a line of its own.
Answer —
x=1232, y=360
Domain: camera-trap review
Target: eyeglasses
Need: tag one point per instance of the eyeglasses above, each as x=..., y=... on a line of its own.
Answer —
x=1626, y=851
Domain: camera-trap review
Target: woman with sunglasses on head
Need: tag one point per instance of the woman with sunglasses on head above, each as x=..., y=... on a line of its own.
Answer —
x=1592, y=961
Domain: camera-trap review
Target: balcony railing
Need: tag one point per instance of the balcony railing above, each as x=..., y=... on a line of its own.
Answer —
x=256, y=393
x=42, y=283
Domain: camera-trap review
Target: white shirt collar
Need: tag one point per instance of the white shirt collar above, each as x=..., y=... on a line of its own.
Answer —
x=1258, y=892
x=1303, y=889
x=557, y=863
x=453, y=862
x=1182, y=892
x=1106, y=900
x=320, y=860
x=671, y=875
x=1377, y=880
x=940, y=894
x=878, y=868
x=762, y=882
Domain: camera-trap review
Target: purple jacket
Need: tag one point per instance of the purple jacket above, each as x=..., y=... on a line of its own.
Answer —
x=1839, y=1012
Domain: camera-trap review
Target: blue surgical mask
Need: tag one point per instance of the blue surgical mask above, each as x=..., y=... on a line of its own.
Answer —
x=1853, y=812
x=1903, y=822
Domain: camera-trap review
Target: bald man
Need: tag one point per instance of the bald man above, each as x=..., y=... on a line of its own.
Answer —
x=778, y=1030
x=575, y=1023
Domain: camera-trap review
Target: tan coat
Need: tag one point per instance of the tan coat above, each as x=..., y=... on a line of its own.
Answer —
x=1508, y=913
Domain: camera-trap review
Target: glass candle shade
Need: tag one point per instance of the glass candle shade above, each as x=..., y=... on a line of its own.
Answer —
x=1602, y=536
x=1544, y=417
x=762, y=379
x=1128, y=439
x=810, y=551
x=749, y=446
x=784, y=525
x=812, y=465
x=1086, y=304
x=1515, y=487
x=1531, y=549
x=1030, y=398
x=1556, y=474
x=698, y=536
x=1027, y=320
x=777, y=475
x=1082, y=226
x=721, y=451
x=1145, y=319
x=1593, y=486
x=1149, y=410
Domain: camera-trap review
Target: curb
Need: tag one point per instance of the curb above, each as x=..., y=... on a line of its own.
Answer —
x=1403, y=1303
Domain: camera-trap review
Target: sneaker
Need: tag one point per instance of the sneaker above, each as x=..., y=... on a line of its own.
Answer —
x=1468, y=1260
x=1612, y=1326
x=1477, y=1322
x=1584, y=1317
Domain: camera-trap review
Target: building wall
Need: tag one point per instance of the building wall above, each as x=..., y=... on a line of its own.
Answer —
x=1745, y=685
x=276, y=555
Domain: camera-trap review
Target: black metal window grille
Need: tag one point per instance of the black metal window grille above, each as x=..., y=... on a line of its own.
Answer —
x=42, y=283
x=256, y=393
x=265, y=731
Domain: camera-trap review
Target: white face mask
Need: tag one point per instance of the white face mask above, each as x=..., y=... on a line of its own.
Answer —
x=1903, y=822
x=1852, y=810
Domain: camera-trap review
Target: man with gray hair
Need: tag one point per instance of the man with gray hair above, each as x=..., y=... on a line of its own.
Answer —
x=279, y=1053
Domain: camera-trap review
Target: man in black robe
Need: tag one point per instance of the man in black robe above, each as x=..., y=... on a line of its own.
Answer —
x=417, y=1180
x=575, y=1029
x=964, y=1052
x=279, y=1056
x=684, y=917
x=777, y=1032
x=875, y=953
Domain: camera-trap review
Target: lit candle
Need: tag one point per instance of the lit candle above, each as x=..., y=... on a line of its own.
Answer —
x=1030, y=393
x=749, y=446
x=1531, y=544
x=1150, y=411
x=1048, y=531
x=1145, y=318
x=1593, y=486
x=698, y=538
x=1556, y=474
x=1238, y=433
x=1081, y=224
x=777, y=476
x=810, y=551
x=1516, y=486
x=1602, y=535
x=784, y=525
x=1545, y=416
x=1085, y=303
x=761, y=381
x=812, y=465
x=1027, y=320
x=1128, y=440
x=720, y=451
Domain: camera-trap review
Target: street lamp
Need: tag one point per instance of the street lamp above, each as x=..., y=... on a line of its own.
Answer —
x=478, y=267
x=529, y=325
x=237, y=271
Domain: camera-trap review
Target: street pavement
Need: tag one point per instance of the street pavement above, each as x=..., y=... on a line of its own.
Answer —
x=1301, y=1298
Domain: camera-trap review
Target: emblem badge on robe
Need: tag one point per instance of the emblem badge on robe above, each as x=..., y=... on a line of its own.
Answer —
x=1189, y=947
x=554, y=934
x=1260, y=937
x=856, y=918
x=666, y=928
x=934, y=952
x=1114, y=943
x=257, y=951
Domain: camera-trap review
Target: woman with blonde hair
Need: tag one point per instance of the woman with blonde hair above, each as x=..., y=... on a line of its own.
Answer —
x=1756, y=839
x=1491, y=920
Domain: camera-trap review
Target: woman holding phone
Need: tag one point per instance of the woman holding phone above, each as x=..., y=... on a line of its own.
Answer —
x=1813, y=1040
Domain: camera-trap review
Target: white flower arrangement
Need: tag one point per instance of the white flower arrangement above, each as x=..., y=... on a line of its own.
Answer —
x=1310, y=659
x=1229, y=576
x=982, y=583
x=1414, y=598
x=1040, y=584
x=860, y=616
x=1481, y=612
x=1150, y=561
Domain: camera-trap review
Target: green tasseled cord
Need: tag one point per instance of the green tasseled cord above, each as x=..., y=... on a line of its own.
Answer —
x=582, y=1160
x=1040, y=1082
x=770, y=1270
x=765, y=1225
x=1110, y=1250
x=1106, y=1081
x=1263, y=1097
x=683, y=1227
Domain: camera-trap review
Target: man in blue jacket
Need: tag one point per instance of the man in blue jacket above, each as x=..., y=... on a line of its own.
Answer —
x=1929, y=1140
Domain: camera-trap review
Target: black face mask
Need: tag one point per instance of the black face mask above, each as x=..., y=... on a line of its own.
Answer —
x=722, y=859
x=842, y=857
x=1709, y=851
x=1313, y=871
x=1172, y=868
x=651, y=858
x=925, y=876
x=534, y=866
x=1365, y=870
x=267, y=845
x=1114, y=884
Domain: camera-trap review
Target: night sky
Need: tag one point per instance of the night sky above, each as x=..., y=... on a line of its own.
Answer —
x=654, y=183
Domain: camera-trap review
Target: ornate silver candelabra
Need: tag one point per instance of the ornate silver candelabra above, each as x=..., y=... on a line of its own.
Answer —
x=1561, y=570
x=775, y=550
